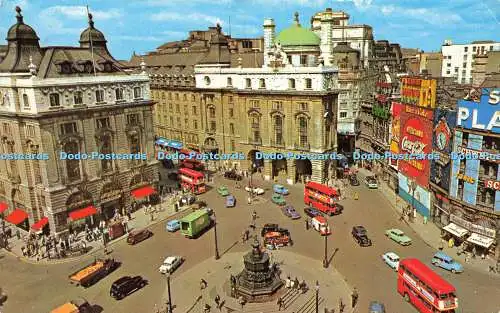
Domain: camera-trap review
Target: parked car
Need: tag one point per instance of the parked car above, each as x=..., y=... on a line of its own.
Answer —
x=125, y=285
x=188, y=199
x=280, y=189
x=277, y=239
x=376, y=307
x=273, y=228
x=170, y=264
x=336, y=209
x=230, y=201
x=312, y=212
x=391, y=259
x=223, y=191
x=173, y=226
x=278, y=199
x=232, y=175
x=354, y=180
x=445, y=261
x=138, y=235
x=398, y=236
x=371, y=182
x=290, y=212
x=255, y=190
x=360, y=234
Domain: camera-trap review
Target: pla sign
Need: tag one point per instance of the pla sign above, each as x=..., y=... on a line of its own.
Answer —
x=483, y=115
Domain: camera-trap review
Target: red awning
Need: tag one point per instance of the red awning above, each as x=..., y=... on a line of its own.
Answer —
x=82, y=213
x=143, y=192
x=40, y=224
x=17, y=217
x=3, y=207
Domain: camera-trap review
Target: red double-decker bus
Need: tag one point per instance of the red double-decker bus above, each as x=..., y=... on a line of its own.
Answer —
x=322, y=198
x=426, y=290
x=192, y=180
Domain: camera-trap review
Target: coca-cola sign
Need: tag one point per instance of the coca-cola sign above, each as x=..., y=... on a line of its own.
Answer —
x=415, y=147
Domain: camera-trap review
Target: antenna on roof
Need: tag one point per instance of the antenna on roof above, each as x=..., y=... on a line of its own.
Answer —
x=91, y=26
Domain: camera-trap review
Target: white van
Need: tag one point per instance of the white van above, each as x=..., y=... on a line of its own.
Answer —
x=320, y=224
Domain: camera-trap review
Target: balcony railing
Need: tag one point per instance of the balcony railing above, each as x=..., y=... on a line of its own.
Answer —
x=275, y=143
x=302, y=146
x=255, y=141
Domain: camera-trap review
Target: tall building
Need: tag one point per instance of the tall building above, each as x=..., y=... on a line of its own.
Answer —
x=431, y=63
x=458, y=59
x=72, y=101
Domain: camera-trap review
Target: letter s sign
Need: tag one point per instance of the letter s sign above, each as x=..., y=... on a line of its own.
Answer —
x=494, y=96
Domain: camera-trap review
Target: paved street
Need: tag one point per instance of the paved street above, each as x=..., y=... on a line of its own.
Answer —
x=39, y=288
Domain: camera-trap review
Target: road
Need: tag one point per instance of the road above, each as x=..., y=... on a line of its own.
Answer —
x=40, y=288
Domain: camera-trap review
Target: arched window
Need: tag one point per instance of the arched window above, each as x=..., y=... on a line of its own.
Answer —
x=248, y=83
x=207, y=80
x=78, y=97
x=303, y=138
x=106, y=148
x=255, y=128
x=211, y=112
x=308, y=83
x=135, y=145
x=278, y=130
x=119, y=94
x=262, y=83
x=291, y=83
x=72, y=166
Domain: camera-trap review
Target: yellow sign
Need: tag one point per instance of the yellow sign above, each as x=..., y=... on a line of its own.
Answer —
x=466, y=179
x=420, y=92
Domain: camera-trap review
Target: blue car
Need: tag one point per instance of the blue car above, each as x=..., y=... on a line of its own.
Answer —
x=280, y=189
x=230, y=201
x=376, y=307
x=445, y=261
x=173, y=226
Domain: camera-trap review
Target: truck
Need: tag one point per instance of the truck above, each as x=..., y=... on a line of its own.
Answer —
x=93, y=272
x=79, y=305
x=193, y=224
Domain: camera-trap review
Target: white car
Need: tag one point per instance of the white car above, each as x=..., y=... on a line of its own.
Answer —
x=256, y=190
x=170, y=264
x=371, y=182
x=391, y=259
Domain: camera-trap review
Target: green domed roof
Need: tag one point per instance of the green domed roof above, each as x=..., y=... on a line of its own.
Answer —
x=296, y=35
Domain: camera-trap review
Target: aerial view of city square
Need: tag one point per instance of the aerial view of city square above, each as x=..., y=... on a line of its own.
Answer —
x=259, y=156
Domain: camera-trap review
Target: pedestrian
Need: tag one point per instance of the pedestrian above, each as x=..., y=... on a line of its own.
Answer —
x=217, y=300
x=296, y=283
x=247, y=234
x=241, y=300
x=341, y=305
x=203, y=284
x=307, y=224
x=354, y=297
x=254, y=215
x=288, y=282
x=280, y=303
x=207, y=308
x=292, y=284
x=18, y=234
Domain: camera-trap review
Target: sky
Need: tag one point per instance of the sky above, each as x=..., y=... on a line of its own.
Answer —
x=143, y=25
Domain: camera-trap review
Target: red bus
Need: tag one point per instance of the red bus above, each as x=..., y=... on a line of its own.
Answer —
x=426, y=290
x=322, y=198
x=192, y=164
x=192, y=180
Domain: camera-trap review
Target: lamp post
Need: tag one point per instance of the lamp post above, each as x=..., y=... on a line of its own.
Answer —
x=169, y=304
x=412, y=185
x=216, y=244
x=325, y=260
x=317, y=297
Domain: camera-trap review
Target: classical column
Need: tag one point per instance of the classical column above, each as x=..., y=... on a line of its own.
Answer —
x=291, y=169
x=267, y=169
x=318, y=173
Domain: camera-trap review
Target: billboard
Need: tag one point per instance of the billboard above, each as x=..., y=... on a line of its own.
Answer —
x=444, y=122
x=395, y=132
x=480, y=110
x=419, y=198
x=419, y=92
x=416, y=138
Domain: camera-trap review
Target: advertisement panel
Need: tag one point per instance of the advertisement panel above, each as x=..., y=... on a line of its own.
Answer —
x=420, y=92
x=497, y=193
x=419, y=198
x=416, y=138
x=395, y=131
x=444, y=122
x=470, y=174
x=455, y=164
x=480, y=110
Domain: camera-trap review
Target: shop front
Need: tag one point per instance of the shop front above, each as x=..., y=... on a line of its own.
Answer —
x=143, y=195
x=111, y=201
x=78, y=218
x=19, y=218
x=41, y=226
x=456, y=233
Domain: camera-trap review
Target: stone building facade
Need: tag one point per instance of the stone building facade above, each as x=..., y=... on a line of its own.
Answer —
x=71, y=100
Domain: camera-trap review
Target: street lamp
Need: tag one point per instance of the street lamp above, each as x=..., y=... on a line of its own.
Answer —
x=317, y=297
x=412, y=185
x=216, y=244
x=325, y=260
x=169, y=304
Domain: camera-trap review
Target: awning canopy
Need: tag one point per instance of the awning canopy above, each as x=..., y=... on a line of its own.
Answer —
x=169, y=143
x=3, y=206
x=17, y=217
x=40, y=224
x=143, y=192
x=82, y=213
x=480, y=240
x=456, y=230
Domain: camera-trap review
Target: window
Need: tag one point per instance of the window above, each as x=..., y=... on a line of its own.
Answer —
x=195, y=110
x=206, y=79
x=137, y=93
x=163, y=95
x=213, y=126
x=343, y=114
x=303, y=59
x=169, y=96
x=262, y=83
x=211, y=112
x=278, y=130
x=448, y=64
x=277, y=105
x=473, y=49
x=179, y=125
x=186, y=122
x=99, y=96
x=184, y=97
x=303, y=138
x=231, y=112
x=30, y=131
x=54, y=100
x=248, y=83
x=177, y=108
x=26, y=101
x=104, y=145
x=254, y=104
x=308, y=83
x=103, y=123
x=303, y=106
x=72, y=166
x=133, y=119
x=448, y=72
x=78, y=97
x=195, y=124
x=231, y=128
x=289, y=59
x=171, y=107
x=172, y=121
x=291, y=83
x=68, y=128
x=134, y=145
x=491, y=48
x=119, y=94
x=230, y=99
x=6, y=129
x=185, y=109
x=466, y=49
x=464, y=64
x=229, y=82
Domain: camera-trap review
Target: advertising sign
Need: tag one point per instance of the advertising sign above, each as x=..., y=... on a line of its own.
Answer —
x=471, y=173
x=444, y=122
x=497, y=193
x=480, y=110
x=380, y=112
x=419, y=198
x=416, y=138
x=395, y=131
x=420, y=92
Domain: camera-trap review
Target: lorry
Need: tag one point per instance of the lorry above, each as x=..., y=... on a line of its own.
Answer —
x=193, y=224
x=93, y=272
x=76, y=306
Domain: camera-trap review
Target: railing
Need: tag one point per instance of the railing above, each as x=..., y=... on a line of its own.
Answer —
x=302, y=146
x=255, y=141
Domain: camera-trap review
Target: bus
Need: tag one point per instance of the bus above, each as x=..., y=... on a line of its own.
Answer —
x=192, y=164
x=426, y=290
x=322, y=198
x=192, y=180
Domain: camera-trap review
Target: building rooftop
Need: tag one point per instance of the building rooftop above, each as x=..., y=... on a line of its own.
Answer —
x=296, y=35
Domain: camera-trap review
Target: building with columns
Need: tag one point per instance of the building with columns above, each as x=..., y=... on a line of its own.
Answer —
x=70, y=100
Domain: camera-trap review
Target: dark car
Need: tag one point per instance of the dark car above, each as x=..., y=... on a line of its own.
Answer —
x=312, y=212
x=338, y=209
x=359, y=233
x=273, y=228
x=232, y=175
x=354, y=180
x=125, y=285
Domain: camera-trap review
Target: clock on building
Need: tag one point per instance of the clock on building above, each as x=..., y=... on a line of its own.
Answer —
x=442, y=134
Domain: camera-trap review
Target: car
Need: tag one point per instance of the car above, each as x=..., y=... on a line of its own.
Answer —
x=371, y=182
x=125, y=285
x=232, y=175
x=188, y=199
x=446, y=262
x=230, y=201
x=354, y=180
x=223, y=191
x=273, y=228
x=337, y=209
x=290, y=212
x=173, y=226
x=278, y=199
x=398, y=236
x=312, y=212
x=376, y=307
x=359, y=233
x=170, y=264
x=391, y=259
x=255, y=190
x=280, y=189
x=138, y=235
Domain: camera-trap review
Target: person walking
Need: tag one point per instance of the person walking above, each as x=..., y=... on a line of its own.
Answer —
x=296, y=283
x=217, y=300
x=203, y=284
x=280, y=303
x=354, y=297
x=307, y=224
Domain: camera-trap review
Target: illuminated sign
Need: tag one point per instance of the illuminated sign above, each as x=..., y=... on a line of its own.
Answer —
x=480, y=113
x=420, y=92
x=395, y=131
x=492, y=184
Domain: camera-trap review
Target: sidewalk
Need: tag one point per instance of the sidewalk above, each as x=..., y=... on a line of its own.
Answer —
x=430, y=232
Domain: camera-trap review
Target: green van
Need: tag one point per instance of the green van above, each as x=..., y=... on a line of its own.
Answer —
x=193, y=224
